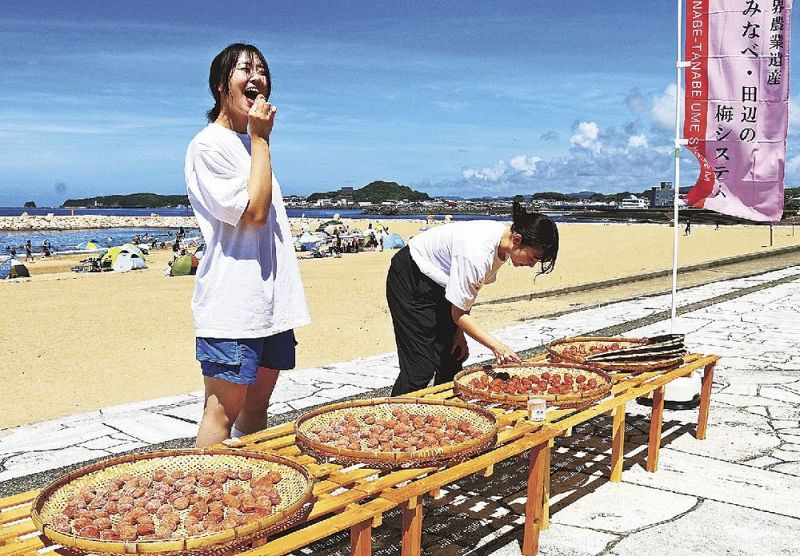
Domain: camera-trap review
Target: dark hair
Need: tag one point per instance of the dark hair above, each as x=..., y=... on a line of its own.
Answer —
x=539, y=231
x=222, y=67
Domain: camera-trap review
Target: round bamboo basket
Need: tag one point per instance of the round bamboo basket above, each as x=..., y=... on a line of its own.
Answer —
x=381, y=408
x=577, y=399
x=295, y=490
x=557, y=350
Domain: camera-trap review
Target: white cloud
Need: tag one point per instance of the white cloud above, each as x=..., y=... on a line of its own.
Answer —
x=586, y=136
x=525, y=164
x=793, y=165
x=635, y=141
x=663, y=111
x=604, y=159
x=486, y=174
x=794, y=113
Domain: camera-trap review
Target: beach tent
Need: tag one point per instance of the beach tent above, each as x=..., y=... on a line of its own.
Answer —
x=110, y=256
x=12, y=268
x=184, y=265
x=134, y=249
x=393, y=241
x=128, y=261
x=309, y=242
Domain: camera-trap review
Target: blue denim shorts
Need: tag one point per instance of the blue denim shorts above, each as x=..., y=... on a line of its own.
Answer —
x=238, y=361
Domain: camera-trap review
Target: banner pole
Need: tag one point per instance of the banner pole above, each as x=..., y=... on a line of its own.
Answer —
x=679, y=65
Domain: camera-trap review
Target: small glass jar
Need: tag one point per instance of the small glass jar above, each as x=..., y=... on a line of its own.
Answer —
x=537, y=409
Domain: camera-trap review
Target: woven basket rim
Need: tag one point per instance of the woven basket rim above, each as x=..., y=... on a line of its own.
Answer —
x=634, y=367
x=239, y=533
x=393, y=459
x=520, y=400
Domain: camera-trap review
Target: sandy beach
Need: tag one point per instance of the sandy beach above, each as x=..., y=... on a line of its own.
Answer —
x=77, y=342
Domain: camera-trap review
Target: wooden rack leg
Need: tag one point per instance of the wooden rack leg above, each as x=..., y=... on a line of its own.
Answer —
x=533, y=506
x=705, y=401
x=361, y=538
x=412, y=528
x=546, y=487
x=617, y=443
x=656, y=420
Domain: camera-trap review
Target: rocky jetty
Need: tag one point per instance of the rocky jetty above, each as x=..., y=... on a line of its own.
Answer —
x=25, y=222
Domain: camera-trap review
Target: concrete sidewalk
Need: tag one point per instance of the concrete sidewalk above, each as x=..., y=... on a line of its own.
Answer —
x=736, y=492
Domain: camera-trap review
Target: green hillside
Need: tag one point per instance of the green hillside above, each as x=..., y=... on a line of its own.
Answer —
x=134, y=200
x=376, y=192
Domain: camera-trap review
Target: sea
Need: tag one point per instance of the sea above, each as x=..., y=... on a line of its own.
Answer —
x=71, y=240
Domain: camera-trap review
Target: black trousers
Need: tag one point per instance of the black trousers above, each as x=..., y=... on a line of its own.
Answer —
x=423, y=326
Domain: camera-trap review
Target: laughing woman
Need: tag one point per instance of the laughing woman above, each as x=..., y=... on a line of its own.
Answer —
x=248, y=296
x=434, y=281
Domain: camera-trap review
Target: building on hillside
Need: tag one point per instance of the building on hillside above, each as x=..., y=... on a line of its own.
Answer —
x=661, y=195
x=346, y=193
x=633, y=203
x=324, y=202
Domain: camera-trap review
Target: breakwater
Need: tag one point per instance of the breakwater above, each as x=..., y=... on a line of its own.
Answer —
x=26, y=222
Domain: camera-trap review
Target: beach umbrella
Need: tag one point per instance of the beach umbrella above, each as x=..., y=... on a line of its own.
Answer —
x=333, y=228
x=87, y=246
x=322, y=226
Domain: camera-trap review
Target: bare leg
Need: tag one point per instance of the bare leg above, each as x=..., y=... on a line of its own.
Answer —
x=224, y=401
x=253, y=415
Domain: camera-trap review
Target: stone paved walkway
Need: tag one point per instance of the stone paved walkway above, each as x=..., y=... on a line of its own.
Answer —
x=738, y=492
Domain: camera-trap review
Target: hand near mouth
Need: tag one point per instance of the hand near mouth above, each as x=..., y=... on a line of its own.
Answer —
x=261, y=117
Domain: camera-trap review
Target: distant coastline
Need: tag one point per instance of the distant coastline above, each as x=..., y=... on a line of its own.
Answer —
x=52, y=218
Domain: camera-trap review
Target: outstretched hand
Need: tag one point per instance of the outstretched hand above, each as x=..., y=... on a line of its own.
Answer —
x=505, y=354
x=261, y=118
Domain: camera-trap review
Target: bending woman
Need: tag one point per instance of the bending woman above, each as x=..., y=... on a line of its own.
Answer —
x=434, y=281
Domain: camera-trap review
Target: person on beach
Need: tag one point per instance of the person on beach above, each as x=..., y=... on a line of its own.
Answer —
x=433, y=282
x=28, y=251
x=248, y=295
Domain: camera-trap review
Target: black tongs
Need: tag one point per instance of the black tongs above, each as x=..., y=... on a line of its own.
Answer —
x=665, y=346
x=502, y=375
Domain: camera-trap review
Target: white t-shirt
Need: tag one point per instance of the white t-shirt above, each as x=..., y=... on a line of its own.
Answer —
x=248, y=283
x=461, y=257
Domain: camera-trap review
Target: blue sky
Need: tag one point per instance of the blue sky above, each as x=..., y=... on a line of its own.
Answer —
x=453, y=98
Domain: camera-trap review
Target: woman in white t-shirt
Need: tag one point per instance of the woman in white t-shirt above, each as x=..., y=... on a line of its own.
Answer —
x=434, y=281
x=248, y=295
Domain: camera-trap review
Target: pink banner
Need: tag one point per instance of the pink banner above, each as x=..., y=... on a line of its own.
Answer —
x=737, y=104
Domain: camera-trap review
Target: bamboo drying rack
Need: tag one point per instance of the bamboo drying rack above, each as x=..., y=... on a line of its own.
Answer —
x=355, y=498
